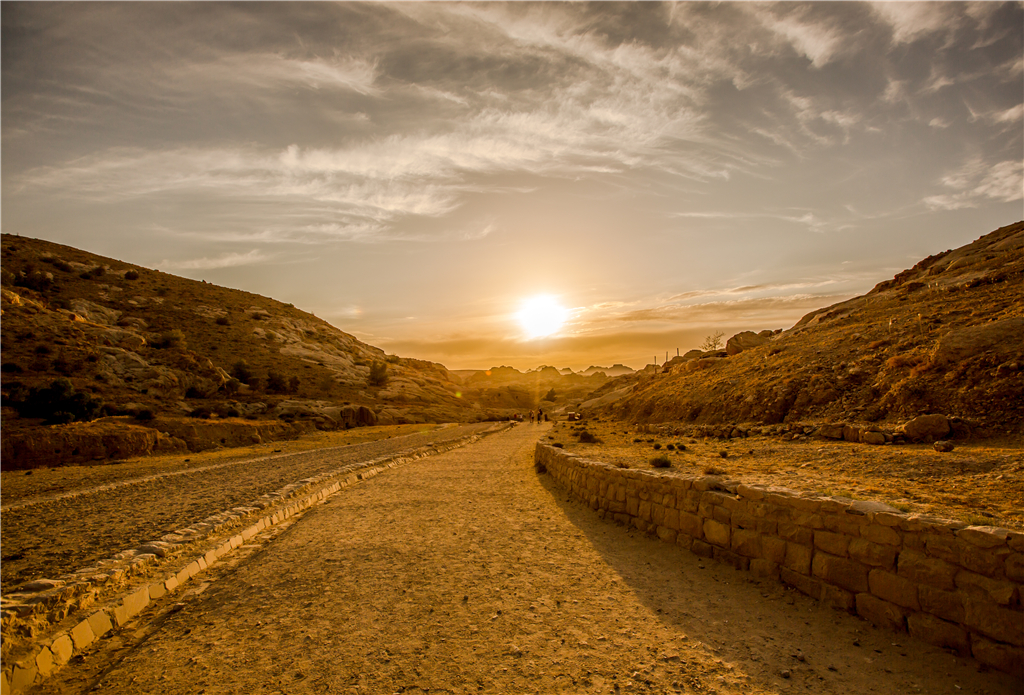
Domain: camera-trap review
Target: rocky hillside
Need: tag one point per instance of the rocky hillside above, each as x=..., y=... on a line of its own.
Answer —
x=103, y=358
x=944, y=337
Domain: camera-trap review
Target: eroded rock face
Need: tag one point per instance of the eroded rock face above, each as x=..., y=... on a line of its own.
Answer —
x=744, y=341
x=108, y=439
x=1003, y=338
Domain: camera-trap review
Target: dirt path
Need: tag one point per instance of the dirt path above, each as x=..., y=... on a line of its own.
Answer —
x=48, y=531
x=467, y=573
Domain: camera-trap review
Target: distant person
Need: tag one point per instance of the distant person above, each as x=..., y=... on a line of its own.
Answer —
x=540, y=414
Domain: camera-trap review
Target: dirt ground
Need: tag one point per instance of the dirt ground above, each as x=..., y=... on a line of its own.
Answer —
x=60, y=520
x=468, y=572
x=980, y=482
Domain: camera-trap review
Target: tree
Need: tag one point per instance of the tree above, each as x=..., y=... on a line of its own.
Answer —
x=378, y=373
x=712, y=342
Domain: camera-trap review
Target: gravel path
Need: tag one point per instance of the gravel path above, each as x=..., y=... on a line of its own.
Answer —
x=62, y=530
x=466, y=572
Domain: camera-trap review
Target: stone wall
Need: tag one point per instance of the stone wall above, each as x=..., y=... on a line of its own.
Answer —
x=949, y=584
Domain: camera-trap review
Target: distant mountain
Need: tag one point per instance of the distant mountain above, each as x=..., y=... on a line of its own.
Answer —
x=946, y=336
x=613, y=371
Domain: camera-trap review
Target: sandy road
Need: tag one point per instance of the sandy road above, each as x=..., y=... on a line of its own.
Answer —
x=466, y=572
x=67, y=525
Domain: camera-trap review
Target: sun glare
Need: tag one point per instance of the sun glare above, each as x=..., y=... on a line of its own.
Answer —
x=541, y=316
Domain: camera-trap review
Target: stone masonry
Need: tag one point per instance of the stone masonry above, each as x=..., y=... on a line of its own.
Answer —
x=952, y=585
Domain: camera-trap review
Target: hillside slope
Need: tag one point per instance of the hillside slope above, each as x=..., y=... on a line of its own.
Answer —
x=946, y=336
x=85, y=335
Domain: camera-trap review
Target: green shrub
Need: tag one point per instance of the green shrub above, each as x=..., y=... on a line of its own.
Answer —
x=240, y=370
x=378, y=374
x=276, y=382
x=57, y=403
x=661, y=462
x=173, y=338
x=131, y=274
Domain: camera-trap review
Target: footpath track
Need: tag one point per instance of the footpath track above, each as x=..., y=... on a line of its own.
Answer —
x=469, y=572
x=60, y=532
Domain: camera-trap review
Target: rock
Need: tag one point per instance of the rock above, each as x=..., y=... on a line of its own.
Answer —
x=831, y=431
x=744, y=341
x=41, y=585
x=943, y=445
x=874, y=438
x=927, y=428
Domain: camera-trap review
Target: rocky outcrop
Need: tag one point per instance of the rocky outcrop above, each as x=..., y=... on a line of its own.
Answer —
x=80, y=443
x=746, y=340
x=927, y=428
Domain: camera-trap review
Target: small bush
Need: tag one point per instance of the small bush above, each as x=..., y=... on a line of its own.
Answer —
x=661, y=462
x=173, y=338
x=193, y=392
x=42, y=350
x=202, y=413
x=670, y=447
x=657, y=447
x=240, y=371
x=378, y=374
x=680, y=446
x=144, y=415
x=98, y=272
x=131, y=274
x=11, y=368
x=57, y=403
x=223, y=321
x=713, y=470
x=587, y=438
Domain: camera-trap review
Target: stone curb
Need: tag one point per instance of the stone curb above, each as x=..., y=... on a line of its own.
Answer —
x=57, y=601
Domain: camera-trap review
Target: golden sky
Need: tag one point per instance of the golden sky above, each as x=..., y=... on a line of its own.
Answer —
x=412, y=172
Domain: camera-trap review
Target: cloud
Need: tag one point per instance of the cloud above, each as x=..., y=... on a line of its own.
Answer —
x=977, y=182
x=227, y=260
x=910, y=21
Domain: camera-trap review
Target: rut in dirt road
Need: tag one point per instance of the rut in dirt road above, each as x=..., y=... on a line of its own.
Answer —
x=466, y=572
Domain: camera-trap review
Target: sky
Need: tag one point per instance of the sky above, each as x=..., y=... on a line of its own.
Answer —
x=413, y=172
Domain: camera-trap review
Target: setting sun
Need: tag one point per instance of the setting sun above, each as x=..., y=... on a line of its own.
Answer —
x=541, y=316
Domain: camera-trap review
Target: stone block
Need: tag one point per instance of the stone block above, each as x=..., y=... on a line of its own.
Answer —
x=873, y=554
x=977, y=586
x=722, y=515
x=986, y=561
x=938, y=632
x=920, y=568
x=44, y=662
x=644, y=510
x=658, y=514
x=156, y=590
x=837, y=598
x=893, y=589
x=943, y=547
x=171, y=583
x=984, y=536
x=840, y=571
x=883, y=535
x=1003, y=624
x=100, y=622
x=808, y=520
x=832, y=543
x=797, y=534
x=82, y=635
x=746, y=543
x=667, y=534
x=702, y=549
x=1014, y=567
x=690, y=524
x=632, y=505
x=773, y=549
x=131, y=605
x=717, y=533
x=947, y=605
x=671, y=519
x=798, y=558
x=23, y=676
x=803, y=583
x=764, y=569
x=62, y=648
x=999, y=656
x=881, y=613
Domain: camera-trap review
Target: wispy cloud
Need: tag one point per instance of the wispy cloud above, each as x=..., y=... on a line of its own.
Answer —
x=977, y=182
x=227, y=260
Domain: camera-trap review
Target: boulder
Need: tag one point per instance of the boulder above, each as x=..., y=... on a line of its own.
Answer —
x=831, y=431
x=744, y=341
x=943, y=446
x=927, y=428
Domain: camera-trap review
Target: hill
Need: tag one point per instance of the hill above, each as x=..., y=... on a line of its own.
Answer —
x=168, y=363
x=944, y=337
